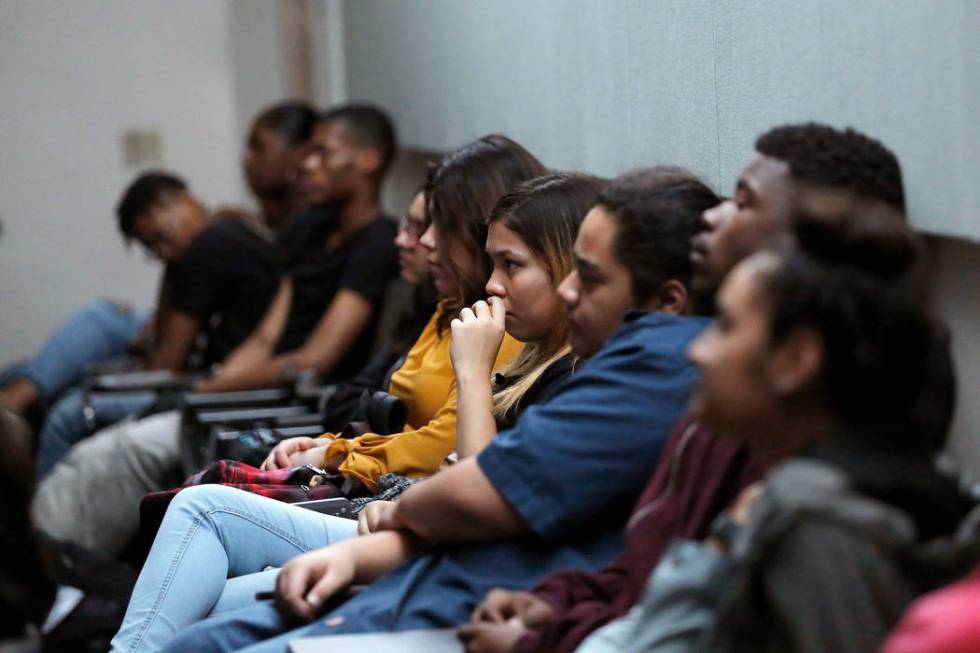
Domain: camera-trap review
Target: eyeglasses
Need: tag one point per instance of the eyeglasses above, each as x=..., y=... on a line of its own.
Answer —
x=413, y=228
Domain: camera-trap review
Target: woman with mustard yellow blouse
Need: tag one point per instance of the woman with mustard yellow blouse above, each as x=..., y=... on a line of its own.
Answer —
x=215, y=541
x=461, y=193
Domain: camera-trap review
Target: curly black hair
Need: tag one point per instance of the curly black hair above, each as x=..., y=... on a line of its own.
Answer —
x=841, y=159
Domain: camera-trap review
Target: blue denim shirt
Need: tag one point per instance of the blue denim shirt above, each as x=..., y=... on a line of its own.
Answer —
x=572, y=467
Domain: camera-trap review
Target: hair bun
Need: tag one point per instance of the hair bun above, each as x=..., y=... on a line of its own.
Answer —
x=867, y=236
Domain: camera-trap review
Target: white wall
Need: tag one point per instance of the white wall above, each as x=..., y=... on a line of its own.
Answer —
x=73, y=76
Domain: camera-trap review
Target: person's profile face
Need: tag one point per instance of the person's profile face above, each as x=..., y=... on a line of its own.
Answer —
x=266, y=161
x=756, y=216
x=412, y=256
x=598, y=292
x=328, y=169
x=733, y=394
x=166, y=229
x=523, y=282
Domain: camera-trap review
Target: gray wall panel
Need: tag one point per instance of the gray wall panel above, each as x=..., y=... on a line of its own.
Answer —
x=608, y=86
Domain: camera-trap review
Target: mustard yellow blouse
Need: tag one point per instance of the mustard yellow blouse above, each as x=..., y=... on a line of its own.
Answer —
x=427, y=385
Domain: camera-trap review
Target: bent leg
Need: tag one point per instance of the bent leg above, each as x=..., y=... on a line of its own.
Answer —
x=99, y=331
x=209, y=534
x=92, y=496
x=67, y=423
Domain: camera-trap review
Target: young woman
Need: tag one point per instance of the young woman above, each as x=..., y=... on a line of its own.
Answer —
x=815, y=361
x=216, y=532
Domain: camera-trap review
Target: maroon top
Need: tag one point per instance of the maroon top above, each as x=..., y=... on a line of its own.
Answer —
x=698, y=475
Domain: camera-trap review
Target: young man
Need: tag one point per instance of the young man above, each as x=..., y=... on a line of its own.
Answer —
x=700, y=474
x=529, y=503
x=341, y=255
x=220, y=278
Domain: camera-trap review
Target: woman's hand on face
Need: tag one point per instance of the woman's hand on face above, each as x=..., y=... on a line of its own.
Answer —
x=279, y=457
x=305, y=582
x=372, y=515
x=476, y=337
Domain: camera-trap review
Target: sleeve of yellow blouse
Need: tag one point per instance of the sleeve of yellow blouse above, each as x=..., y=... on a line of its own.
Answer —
x=416, y=452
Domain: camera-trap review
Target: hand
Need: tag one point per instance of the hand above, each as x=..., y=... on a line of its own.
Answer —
x=502, y=606
x=315, y=456
x=305, y=582
x=742, y=509
x=279, y=456
x=372, y=515
x=476, y=337
x=491, y=638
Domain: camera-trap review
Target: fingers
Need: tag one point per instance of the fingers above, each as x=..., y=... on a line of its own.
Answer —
x=493, y=607
x=497, y=311
x=482, y=310
x=281, y=457
x=291, y=586
x=326, y=587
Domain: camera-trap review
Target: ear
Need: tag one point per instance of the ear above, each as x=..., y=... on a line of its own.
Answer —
x=672, y=297
x=367, y=161
x=795, y=362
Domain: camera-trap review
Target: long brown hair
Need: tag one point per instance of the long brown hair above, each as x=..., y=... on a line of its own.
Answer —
x=545, y=213
x=460, y=193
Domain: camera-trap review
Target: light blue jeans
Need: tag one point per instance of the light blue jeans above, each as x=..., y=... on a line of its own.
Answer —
x=98, y=332
x=209, y=556
x=66, y=423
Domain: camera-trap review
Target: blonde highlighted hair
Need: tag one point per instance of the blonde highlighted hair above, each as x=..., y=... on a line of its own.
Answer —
x=545, y=213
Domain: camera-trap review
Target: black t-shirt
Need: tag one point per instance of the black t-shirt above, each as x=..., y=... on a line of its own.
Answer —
x=226, y=278
x=365, y=262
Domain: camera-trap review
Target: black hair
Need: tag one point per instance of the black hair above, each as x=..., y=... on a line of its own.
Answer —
x=820, y=155
x=149, y=190
x=293, y=120
x=851, y=277
x=370, y=127
x=657, y=213
x=460, y=193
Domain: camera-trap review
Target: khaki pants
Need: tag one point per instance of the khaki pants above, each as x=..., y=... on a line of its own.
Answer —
x=92, y=496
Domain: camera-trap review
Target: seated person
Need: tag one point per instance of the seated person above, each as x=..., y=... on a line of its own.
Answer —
x=106, y=330
x=340, y=257
x=277, y=141
x=221, y=277
x=701, y=472
x=816, y=363
x=147, y=454
x=528, y=503
x=530, y=242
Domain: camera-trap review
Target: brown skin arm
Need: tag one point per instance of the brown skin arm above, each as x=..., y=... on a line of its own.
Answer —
x=456, y=506
x=175, y=339
x=346, y=317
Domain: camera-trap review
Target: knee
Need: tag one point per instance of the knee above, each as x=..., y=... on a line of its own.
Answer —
x=202, y=499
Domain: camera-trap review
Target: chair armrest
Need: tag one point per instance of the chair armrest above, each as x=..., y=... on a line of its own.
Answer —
x=146, y=380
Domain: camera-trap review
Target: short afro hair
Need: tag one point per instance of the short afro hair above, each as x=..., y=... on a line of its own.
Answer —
x=149, y=190
x=370, y=126
x=821, y=155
